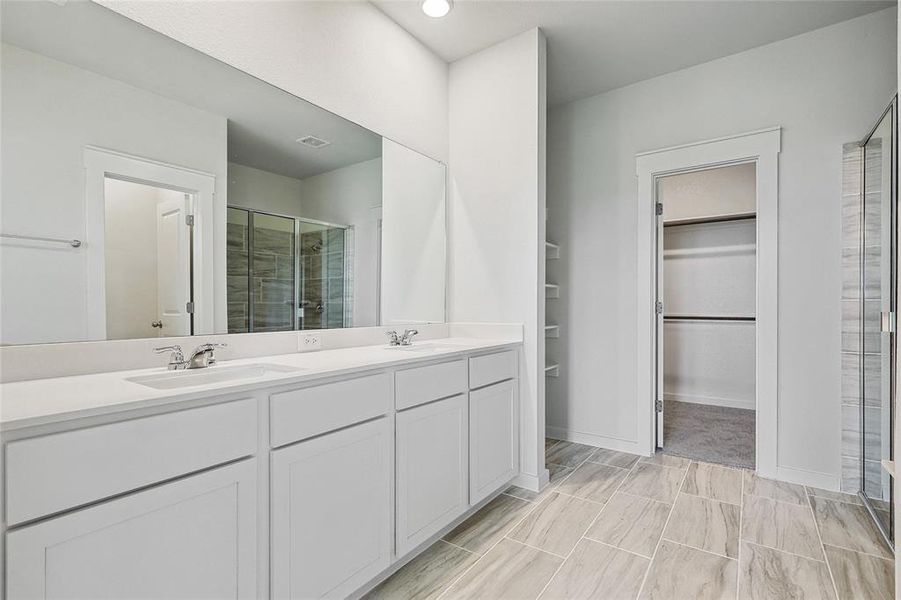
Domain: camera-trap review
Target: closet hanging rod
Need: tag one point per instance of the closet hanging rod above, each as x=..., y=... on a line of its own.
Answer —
x=712, y=219
x=73, y=243
x=707, y=318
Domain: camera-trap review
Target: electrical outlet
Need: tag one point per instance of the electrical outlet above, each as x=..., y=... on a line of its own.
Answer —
x=310, y=341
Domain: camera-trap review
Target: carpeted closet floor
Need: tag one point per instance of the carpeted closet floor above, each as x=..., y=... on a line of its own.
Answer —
x=709, y=433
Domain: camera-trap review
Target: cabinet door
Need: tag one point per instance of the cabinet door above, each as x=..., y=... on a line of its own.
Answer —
x=193, y=538
x=331, y=512
x=492, y=439
x=432, y=464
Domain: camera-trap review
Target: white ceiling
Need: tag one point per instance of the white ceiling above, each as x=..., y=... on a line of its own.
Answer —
x=596, y=46
x=263, y=121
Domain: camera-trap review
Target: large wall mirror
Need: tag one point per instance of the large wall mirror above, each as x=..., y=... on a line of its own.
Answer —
x=149, y=190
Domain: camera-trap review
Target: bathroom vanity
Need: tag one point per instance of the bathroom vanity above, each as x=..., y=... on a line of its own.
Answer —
x=307, y=475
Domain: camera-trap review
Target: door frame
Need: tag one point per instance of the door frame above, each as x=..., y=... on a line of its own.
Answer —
x=761, y=147
x=101, y=163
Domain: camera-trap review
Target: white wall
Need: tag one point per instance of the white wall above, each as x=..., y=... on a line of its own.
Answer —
x=824, y=89
x=352, y=195
x=496, y=195
x=262, y=190
x=414, y=242
x=347, y=57
x=50, y=112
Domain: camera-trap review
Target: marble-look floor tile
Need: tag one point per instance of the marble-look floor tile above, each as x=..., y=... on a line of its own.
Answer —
x=557, y=474
x=631, y=523
x=557, y=524
x=665, y=460
x=593, y=481
x=548, y=442
x=614, y=458
x=654, y=482
x=705, y=524
x=768, y=574
x=861, y=575
x=714, y=482
x=480, y=531
x=683, y=573
x=780, y=525
x=837, y=496
x=848, y=526
x=427, y=575
x=774, y=490
x=597, y=571
x=509, y=570
x=568, y=454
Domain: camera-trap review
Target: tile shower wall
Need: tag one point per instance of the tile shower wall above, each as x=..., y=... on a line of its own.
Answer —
x=236, y=271
x=851, y=306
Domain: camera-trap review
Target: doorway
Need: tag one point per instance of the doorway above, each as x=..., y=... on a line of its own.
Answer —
x=761, y=148
x=706, y=323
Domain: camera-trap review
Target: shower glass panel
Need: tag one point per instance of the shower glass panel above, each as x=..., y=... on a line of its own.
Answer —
x=324, y=277
x=272, y=272
x=237, y=243
x=877, y=290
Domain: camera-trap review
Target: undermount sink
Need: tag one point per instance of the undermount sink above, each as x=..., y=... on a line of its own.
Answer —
x=215, y=374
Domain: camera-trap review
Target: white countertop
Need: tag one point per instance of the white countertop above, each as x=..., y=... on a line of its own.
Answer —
x=43, y=401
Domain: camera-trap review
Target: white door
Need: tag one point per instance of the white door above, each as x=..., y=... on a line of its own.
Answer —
x=193, y=538
x=659, y=310
x=492, y=452
x=331, y=512
x=432, y=465
x=173, y=267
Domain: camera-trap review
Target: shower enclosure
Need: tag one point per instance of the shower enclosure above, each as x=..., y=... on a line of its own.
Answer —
x=286, y=273
x=876, y=263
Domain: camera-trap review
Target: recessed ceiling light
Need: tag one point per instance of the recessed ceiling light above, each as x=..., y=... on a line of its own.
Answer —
x=312, y=141
x=437, y=8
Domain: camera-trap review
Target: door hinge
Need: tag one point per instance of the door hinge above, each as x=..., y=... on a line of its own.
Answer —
x=189, y=220
x=659, y=307
x=659, y=208
x=658, y=405
x=189, y=308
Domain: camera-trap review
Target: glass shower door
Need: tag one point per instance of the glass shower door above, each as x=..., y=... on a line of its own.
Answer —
x=878, y=319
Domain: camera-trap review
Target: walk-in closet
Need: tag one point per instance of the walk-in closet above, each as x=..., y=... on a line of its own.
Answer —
x=707, y=231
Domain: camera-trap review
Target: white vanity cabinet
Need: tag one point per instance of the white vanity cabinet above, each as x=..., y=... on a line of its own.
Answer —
x=192, y=538
x=331, y=512
x=492, y=439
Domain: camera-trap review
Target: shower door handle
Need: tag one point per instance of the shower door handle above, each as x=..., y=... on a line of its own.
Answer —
x=887, y=322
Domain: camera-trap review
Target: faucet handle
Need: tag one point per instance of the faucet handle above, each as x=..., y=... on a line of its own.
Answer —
x=393, y=340
x=176, y=359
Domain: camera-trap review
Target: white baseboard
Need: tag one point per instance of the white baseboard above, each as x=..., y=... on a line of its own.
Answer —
x=592, y=439
x=712, y=401
x=826, y=481
x=532, y=482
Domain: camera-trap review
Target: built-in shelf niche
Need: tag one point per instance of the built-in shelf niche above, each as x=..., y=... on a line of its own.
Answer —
x=552, y=370
x=552, y=331
x=551, y=290
x=551, y=251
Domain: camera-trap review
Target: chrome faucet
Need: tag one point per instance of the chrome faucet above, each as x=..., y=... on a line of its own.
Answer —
x=407, y=338
x=393, y=340
x=201, y=358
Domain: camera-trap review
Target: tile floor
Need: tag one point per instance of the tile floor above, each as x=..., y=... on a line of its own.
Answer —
x=615, y=526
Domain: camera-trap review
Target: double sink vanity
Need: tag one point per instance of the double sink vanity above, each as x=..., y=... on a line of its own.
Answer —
x=303, y=475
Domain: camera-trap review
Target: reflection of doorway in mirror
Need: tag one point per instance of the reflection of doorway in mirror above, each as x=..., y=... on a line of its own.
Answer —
x=147, y=260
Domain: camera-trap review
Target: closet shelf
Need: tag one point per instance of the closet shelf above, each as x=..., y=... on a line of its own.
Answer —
x=552, y=331
x=711, y=219
x=552, y=370
x=551, y=290
x=551, y=251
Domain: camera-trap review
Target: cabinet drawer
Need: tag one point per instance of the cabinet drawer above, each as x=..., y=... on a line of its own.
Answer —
x=491, y=368
x=424, y=384
x=299, y=414
x=49, y=474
